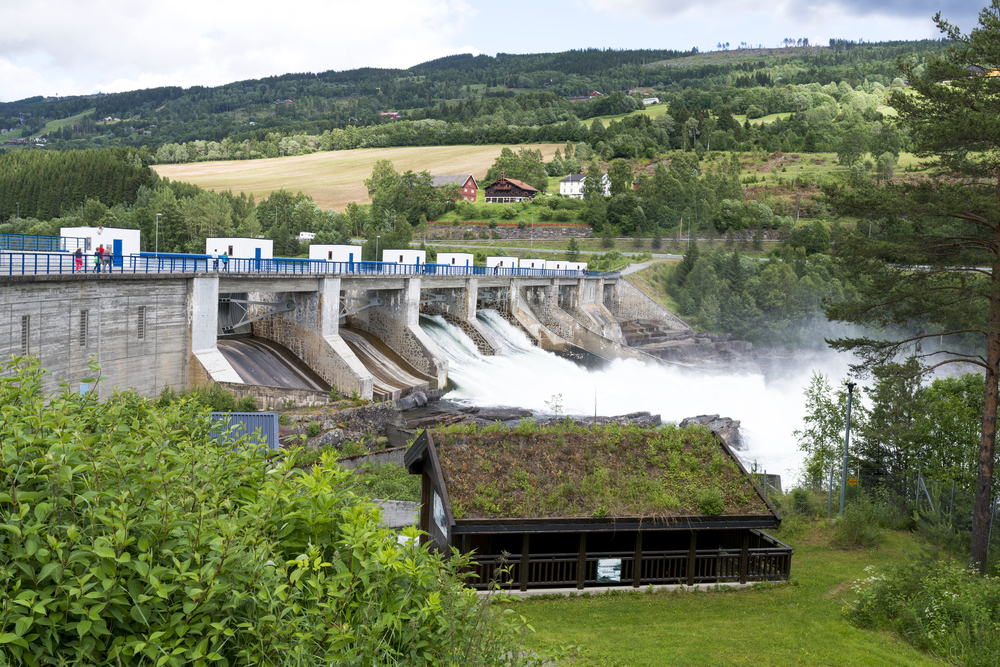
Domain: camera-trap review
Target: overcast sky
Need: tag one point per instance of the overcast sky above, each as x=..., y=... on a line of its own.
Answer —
x=67, y=47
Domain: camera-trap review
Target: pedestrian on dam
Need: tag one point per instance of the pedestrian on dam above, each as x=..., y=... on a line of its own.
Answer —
x=215, y=259
x=98, y=256
x=225, y=261
x=79, y=258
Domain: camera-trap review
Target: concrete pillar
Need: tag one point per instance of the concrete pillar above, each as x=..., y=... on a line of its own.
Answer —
x=203, y=325
x=311, y=332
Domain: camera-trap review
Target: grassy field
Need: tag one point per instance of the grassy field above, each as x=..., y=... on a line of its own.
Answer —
x=797, y=624
x=54, y=125
x=769, y=118
x=335, y=178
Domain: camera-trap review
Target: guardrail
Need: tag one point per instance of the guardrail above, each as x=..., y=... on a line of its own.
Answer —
x=29, y=243
x=35, y=263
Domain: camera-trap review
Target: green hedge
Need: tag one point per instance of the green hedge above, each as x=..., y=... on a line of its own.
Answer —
x=129, y=537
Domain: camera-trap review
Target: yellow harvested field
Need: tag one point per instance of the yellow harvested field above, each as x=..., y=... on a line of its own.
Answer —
x=335, y=178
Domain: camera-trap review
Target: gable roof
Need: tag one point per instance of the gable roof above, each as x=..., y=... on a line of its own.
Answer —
x=603, y=475
x=514, y=181
x=437, y=180
x=573, y=178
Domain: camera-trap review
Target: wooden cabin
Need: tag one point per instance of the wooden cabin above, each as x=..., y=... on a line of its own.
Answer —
x=611, y=506
x=509, y=190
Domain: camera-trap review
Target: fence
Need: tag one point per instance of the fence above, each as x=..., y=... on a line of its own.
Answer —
x=28, y=243
x=762, y=558
x=37, y=263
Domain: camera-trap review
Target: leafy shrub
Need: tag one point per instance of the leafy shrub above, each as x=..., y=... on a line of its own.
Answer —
x=802, y=502
x=468, y=236
x=313, y=429
x=710, y=502
x=938, y=606
x=136, y=540
x=334, y=395
x=247, y=404
x=283, y=420
x=864, y=522
x=388, y=481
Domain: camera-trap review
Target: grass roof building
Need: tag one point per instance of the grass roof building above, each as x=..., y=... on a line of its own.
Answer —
x=608, y=506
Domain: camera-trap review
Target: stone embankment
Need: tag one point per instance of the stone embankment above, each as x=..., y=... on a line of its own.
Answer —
x=442, y=232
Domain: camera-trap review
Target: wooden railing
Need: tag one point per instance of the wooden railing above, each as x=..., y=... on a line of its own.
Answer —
x=762, y=559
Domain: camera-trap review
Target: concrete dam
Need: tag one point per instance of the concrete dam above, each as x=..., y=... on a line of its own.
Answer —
x=292, y=336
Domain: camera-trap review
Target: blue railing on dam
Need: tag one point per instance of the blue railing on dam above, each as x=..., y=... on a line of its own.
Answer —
x=29, y=243
x=37, y=263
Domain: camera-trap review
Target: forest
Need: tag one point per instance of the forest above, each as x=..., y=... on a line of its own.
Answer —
x=484, y=99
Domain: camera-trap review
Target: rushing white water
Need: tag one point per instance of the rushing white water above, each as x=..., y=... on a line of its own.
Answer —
x=529, y=378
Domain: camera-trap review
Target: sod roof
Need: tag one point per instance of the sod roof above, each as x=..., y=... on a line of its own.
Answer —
x=606, y=472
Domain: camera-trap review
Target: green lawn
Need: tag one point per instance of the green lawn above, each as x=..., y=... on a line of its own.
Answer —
x=801, y=623
x=769, y=118
x=54, y=125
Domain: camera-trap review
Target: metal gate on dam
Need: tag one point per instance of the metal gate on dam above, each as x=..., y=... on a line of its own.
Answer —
x=295, y=334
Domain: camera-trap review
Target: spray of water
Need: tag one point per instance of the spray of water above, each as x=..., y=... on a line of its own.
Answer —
x=526, y=377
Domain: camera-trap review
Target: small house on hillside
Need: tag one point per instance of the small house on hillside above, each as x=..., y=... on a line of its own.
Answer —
x=468, y=188
x=608, y=506
x=572, y=185
x=509, y=191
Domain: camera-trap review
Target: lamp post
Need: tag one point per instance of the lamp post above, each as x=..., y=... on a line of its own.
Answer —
x=531, y=235
x=157, y=248
x=847, y=443
x=18, y=210
x=376, y=247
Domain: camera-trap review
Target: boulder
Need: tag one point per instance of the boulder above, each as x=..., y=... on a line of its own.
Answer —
x=727, y=429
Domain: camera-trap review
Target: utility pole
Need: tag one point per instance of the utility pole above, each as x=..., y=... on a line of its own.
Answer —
x=157, y=249
x=847, y=444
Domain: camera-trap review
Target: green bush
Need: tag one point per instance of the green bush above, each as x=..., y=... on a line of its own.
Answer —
x=313, y=429
x=865, y=521
x=938, y=606
x=129, y=537
x=388, y=482
x=247, y=404
x=710, y=502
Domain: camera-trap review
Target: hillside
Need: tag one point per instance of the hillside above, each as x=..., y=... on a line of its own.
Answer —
x=455, y=100
x=333, y=179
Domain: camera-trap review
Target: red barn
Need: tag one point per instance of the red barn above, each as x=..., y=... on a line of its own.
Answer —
x=466, y=182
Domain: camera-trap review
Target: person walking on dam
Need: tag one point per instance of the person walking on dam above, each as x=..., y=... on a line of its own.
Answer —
x=79, y=258
x=98, y=257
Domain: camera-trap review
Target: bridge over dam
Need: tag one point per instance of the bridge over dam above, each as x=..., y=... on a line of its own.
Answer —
x=290, y=331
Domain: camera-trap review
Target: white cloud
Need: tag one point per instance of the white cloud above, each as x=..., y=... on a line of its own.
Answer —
x=110, y=46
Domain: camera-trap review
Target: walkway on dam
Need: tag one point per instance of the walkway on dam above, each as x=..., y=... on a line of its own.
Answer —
x=66, y=265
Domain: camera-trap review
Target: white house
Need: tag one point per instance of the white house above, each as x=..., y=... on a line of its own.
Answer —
x=240, y=248
x=531, y=264
x=121, y=242
x=572, y=185
x=576, y=266
x=404, y=256
x=650, y=100
x=501, y=262
x=306, y=236
x=456, y=258
x=335, y=253
x=556, y=265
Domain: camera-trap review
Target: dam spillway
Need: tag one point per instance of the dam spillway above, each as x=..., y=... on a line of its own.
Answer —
x=394, y=377
x=259, y=361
